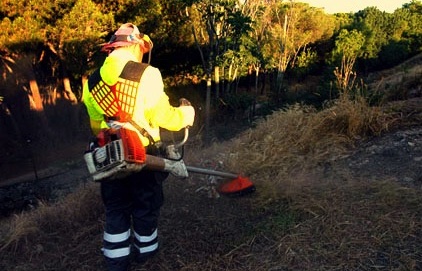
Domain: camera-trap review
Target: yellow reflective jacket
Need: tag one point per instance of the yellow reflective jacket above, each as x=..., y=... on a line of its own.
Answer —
x=151, y=109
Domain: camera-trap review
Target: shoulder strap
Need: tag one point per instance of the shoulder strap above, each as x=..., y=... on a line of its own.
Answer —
x=133, y=71
x=94, y=79
x=143, y=132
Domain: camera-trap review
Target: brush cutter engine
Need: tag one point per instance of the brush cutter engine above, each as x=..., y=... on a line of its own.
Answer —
x=114, y=154
x=117, y=153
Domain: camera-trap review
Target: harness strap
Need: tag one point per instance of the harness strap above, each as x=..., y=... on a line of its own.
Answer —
x=143, y=132
x=105, y=95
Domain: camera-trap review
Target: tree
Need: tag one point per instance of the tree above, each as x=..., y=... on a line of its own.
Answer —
x=75, y=37
x=217, y=27
x=21, y=44
x=21, y=39
x=256, y=11
x=294, y=26
x=348, y=47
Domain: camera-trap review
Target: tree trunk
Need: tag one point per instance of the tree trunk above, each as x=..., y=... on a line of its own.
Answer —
x=67, y=87
x=217, y=82
x=208, y=110
x=84, y=79
x=35, y=96
x=223, y=81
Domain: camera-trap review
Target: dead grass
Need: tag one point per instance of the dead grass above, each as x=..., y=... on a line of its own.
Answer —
x=300, y=138
x=400, y=82
x=297, y=220
x=44, y=236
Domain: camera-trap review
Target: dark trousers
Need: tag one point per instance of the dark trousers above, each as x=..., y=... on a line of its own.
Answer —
x=132, y=202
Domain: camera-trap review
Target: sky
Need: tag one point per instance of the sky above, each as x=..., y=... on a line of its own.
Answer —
x=345, y=6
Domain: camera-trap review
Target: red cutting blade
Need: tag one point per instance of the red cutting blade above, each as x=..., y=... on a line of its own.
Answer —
x=237, y=187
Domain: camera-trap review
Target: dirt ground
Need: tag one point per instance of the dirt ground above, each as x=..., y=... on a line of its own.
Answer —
x=396, y=156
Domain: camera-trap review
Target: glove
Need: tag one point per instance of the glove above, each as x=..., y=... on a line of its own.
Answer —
x=188, y=112
x=177, y=168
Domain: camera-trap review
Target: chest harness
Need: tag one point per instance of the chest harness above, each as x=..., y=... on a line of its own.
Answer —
x=118, y=100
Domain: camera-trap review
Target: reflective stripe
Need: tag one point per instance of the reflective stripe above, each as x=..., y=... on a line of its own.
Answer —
x=148, y=248
x=116, y=253
x=145, y=239
x=116, y=238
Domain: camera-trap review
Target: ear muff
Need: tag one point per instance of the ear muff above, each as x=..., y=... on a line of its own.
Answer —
x=147, y=43
x=142, y=39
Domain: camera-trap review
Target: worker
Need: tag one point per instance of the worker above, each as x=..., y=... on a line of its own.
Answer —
x=126, y=90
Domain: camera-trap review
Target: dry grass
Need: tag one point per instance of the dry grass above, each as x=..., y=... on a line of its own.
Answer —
x=297, y=220
x=400, y=82
x=300, y=138
x=45, y=236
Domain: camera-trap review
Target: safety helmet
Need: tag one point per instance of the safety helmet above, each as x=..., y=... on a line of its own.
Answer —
x=128, y=34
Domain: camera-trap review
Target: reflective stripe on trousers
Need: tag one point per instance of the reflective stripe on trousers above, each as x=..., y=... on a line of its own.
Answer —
x=116, y=245
x=146, y=244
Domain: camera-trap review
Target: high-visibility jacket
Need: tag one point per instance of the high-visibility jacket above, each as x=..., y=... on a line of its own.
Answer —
x=150, y=107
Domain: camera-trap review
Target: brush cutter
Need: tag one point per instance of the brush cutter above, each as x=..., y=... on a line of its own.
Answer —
x=121, y=153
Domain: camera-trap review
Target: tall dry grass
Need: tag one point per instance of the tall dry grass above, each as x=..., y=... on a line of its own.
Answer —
x=300, y=138
x=42, y=235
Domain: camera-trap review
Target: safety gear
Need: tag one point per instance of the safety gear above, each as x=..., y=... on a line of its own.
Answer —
x=118, y=100
x=148, y=107
x=120, y=90
x=189, y=115
x=137, y=198
x=128, y=34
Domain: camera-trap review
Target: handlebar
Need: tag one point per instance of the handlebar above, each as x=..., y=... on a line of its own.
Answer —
x=184, y=140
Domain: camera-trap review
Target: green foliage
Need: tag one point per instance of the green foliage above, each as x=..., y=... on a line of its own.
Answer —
x=21, y=34
x=306, y=62
x=78, y=43
x=240, y=101
x=348, y=45
x=373, y=24
x=289, y=39
x=384, y=31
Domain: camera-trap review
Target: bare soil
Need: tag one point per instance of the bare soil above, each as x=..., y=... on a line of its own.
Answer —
x=396, y=156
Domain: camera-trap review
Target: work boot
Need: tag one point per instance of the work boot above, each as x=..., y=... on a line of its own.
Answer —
x=117, y=264
x=144, y=257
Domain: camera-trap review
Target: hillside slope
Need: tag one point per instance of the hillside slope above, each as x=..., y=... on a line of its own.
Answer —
x=331, y=208
x=199, y=232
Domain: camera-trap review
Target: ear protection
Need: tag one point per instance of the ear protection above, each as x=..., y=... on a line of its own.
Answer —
x=143, y=40
x=127, y=35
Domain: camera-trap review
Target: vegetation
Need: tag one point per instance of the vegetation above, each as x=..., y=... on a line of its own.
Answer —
x=298, y=220
x=258, y=48
x=309, y=85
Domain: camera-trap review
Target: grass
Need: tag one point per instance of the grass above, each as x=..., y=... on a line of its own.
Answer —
x=299, y=138
x=299, y=219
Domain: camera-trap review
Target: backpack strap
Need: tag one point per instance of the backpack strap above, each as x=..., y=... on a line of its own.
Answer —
x=132, y=71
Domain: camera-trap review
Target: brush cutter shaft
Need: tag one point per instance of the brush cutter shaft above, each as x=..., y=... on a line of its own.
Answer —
x=178, y=168
x=211, y=172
